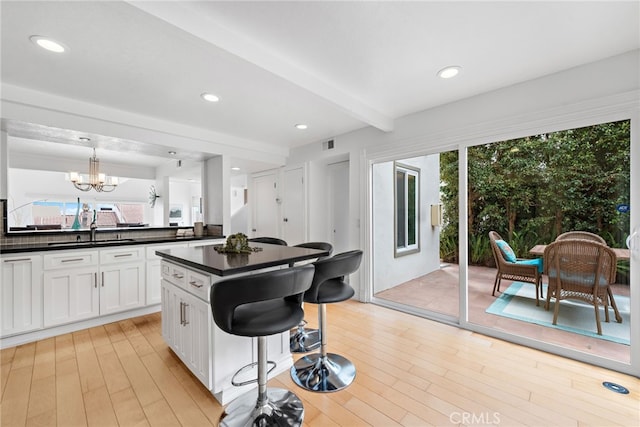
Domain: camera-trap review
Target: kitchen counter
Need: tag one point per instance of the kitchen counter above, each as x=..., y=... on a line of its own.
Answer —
x=99, y=243
x=205, y=258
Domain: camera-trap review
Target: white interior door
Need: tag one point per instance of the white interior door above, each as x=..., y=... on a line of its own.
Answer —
x=338, y=174
x=264, y=210
x=293, y=206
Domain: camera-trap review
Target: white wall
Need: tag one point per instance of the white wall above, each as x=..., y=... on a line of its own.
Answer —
x=181, y=193
x=239, y=210
x=389, y=271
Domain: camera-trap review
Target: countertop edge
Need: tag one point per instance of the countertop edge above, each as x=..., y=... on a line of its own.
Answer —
x=46, y=247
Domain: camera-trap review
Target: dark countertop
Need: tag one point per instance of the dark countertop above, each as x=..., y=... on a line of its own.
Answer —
x=99, y=243
x=205, y=258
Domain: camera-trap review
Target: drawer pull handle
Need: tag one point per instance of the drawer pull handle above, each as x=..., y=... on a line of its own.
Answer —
x=122, y=255
x=17, y=260
x=185, y=305
x=178, y=276
x=72, y=260
x=196, y=284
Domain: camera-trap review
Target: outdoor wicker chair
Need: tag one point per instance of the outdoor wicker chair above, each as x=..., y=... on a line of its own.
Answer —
x=584, y=235
x=517, y=270
x=582, y=270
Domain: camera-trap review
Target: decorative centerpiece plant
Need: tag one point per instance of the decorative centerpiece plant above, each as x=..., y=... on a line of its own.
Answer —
x=237, y=244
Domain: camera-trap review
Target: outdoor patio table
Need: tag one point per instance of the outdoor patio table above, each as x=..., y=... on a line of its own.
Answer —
x=621, y=253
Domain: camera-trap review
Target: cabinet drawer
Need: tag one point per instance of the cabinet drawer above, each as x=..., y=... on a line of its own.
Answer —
x=70, y=259
x=198, y=284
x=174, y=274
x=122, y=254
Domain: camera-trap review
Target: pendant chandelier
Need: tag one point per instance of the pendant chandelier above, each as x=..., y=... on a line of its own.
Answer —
x=96, y=180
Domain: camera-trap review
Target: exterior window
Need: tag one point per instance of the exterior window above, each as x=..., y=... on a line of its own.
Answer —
x=407, y=209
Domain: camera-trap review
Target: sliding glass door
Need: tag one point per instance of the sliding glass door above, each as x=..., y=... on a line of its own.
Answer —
x=532, y=190
x=529, y=191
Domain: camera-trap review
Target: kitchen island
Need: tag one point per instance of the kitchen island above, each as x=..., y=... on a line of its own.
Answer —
x=212, y=355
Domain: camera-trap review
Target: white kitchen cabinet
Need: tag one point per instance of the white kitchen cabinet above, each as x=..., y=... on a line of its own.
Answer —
x=80, y=285
x=186, y=326
x=212, y=355
x=122, y=279
x=21, y=294
x=70, y=295
x=153, y=275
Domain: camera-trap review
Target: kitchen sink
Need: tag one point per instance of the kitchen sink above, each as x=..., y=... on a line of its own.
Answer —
x=88, y=243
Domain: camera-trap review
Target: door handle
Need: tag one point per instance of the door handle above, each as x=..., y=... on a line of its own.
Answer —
x=181, y=313
x=102, y=273
x=195, y=284
x=95, y=280
x=186, y=321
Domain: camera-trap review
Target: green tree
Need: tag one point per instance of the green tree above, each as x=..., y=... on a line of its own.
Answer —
x=532, y=189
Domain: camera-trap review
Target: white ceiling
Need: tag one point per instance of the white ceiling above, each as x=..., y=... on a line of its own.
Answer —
x=335, y=66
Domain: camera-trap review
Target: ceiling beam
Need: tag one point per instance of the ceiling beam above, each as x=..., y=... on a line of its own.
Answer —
x=188, y=18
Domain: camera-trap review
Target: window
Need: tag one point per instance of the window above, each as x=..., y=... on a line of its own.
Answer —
x=406, y=209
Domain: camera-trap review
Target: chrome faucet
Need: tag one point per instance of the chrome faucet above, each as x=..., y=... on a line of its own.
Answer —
x=92, y=228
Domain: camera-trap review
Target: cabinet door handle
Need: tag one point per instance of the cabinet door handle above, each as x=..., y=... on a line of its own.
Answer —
x=72, y=260
x=17, y=260
x=123, y=255
x=102, y=273
x=194, y=283
x=186, y=322
x=181, y=313
x=95, y=280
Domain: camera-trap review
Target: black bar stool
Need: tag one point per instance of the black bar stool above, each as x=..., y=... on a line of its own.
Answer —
x=260, y=305
x=304, y=340
x=269, y=240
x=327, y=372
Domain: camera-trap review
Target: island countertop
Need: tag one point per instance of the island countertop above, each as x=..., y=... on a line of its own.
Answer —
x=206, y=258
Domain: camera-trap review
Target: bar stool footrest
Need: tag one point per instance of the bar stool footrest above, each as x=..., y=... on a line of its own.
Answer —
x=304, y=341
x=248, y=367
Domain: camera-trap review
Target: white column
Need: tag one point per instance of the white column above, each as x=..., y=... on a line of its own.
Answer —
x=4, y=165
x=216, y=197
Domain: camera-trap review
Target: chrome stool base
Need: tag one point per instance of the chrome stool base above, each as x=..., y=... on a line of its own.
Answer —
x=281, y=408
x=304, y=340
x=329, y=373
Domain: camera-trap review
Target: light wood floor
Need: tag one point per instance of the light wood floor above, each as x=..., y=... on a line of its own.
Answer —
x=410, y=371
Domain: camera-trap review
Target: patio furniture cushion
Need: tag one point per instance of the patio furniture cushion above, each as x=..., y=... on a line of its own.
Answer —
x=506, y=250
x=579, y=278
x=537, y=262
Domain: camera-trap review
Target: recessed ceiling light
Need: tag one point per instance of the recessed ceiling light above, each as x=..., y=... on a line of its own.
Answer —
x=449, y=72
x=301, y=126
x=209, y=97
x=235, y=168
x=173, y=153
x=47, y=43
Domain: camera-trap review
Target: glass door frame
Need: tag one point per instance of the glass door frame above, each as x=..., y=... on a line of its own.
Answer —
x=626, y=108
